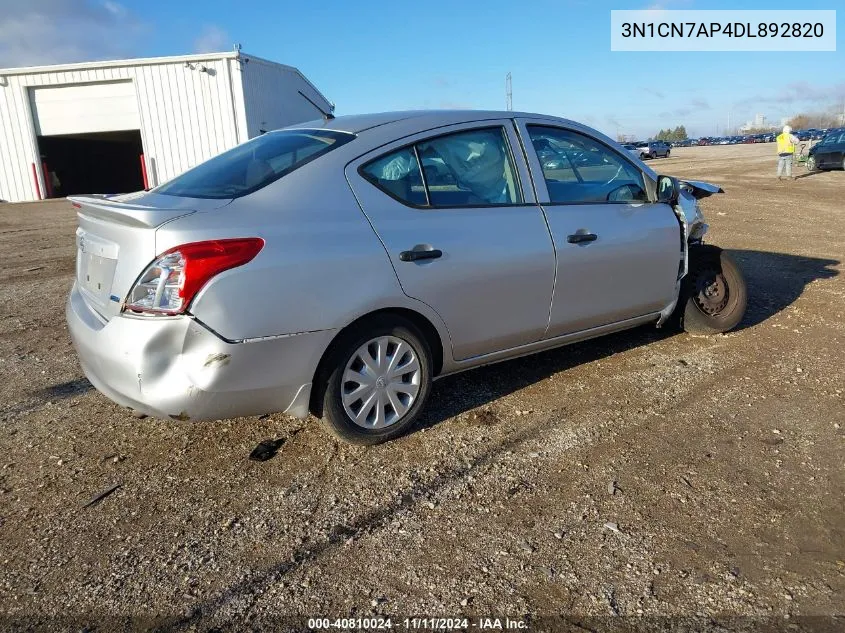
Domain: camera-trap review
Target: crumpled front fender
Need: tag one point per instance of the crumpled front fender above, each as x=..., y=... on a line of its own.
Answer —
x=693, y=228
x=700, y=189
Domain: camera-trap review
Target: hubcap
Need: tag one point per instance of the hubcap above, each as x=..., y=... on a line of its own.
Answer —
x=811, y=163
x=380, y=382
x=712, y=292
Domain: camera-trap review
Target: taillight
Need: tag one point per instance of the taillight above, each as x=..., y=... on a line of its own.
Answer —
x=169, y=284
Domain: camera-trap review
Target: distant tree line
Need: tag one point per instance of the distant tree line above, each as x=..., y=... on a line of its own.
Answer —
x=818, y=120
x=678, y=134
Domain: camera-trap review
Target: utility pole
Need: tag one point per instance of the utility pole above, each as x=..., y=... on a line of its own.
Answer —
x=508, y=93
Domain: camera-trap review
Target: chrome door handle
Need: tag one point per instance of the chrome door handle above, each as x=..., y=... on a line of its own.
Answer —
x=416, y=255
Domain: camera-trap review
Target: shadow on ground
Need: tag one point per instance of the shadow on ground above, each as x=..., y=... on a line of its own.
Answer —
x=810, y=173
x=775, y=281
x=64, y=390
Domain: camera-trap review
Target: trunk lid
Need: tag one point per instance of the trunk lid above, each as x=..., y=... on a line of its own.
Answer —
x=115, y=241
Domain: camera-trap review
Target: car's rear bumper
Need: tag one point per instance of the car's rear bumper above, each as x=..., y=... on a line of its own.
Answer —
x=175, y=367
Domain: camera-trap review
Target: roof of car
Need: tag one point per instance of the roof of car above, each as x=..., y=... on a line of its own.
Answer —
x=356, y=123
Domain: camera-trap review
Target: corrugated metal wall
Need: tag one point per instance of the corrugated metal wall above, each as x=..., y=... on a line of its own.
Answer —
x=187, y=116
x=272, y=99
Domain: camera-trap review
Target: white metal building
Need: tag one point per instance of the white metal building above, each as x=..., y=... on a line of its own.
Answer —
x=119, y=126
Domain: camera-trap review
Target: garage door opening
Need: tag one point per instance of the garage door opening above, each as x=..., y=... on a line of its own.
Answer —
x=97, y=162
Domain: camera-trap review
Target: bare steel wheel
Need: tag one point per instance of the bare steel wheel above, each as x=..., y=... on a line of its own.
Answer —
x=714, y=295
x=381, y=382
x=711, y=291
x=375, y=380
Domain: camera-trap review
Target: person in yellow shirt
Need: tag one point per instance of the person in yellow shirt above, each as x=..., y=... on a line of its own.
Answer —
x=786, y=150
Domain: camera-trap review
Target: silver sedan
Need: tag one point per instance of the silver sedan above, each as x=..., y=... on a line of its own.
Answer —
x=338, y=267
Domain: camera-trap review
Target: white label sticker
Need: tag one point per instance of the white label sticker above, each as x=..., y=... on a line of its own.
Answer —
x=706, y=30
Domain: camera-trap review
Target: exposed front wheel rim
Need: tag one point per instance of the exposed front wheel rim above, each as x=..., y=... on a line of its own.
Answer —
x=811, y=163
x=712, y=292
x=381, y=382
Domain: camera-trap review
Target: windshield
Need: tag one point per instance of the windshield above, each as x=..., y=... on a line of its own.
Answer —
x=254, y=164
x=831, y=137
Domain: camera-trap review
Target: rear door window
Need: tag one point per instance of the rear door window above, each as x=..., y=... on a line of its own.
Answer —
x=470, y=168
x=254, y=164
x=398, y=175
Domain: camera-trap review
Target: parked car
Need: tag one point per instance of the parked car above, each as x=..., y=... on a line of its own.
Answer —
x=653, y=149
x=631, y=148
x=829, y=153
x=315, y=269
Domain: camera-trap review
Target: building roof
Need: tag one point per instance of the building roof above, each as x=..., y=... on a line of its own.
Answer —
x=148, y=61
x=116, y=63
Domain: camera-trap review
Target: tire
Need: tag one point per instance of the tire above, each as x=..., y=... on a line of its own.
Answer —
x=811, y=163
x=714, y=295
x=401, y=343
x=667, y=153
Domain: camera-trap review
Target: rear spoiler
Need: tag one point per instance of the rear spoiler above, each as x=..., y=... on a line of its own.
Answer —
x=111, y=209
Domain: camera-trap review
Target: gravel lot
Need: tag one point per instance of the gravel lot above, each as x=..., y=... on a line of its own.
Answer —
x=648, y=474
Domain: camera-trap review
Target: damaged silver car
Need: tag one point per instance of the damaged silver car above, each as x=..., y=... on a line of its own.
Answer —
x=338, y=267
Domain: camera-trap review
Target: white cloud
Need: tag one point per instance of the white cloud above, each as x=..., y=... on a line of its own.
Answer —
x=39, y=32
x=115, y=8
x=694, y=107
x=801, y=93
x=212, y=39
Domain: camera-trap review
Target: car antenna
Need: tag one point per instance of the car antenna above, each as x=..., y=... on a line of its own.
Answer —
x=326, y=115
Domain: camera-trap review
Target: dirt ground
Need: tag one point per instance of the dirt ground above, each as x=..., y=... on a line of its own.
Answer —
x=648, y=480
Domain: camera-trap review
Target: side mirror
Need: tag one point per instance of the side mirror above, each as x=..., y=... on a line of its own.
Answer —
x=667, y=189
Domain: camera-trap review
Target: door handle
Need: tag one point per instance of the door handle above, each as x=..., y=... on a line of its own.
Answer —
x=416, y=255
x=580, y=238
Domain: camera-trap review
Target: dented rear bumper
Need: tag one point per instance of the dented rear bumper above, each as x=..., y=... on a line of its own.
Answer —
x=175, y=367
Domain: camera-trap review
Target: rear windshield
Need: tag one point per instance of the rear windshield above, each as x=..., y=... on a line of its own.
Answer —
x=254, y=164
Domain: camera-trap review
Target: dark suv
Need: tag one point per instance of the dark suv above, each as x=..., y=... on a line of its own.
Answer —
x=653, y=149
x=829, y=153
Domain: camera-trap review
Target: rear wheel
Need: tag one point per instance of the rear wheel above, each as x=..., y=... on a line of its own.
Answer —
x=714, y=294
x=380, y=379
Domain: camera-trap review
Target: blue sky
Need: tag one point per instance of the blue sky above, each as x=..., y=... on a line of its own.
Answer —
x=371, y=56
